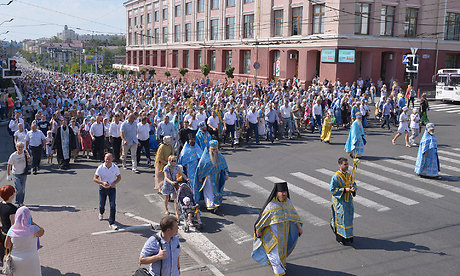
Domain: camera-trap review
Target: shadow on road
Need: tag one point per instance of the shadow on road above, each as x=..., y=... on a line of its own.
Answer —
x=293, y=269
x=37, y=208
x=361, y=243
x=49, y=271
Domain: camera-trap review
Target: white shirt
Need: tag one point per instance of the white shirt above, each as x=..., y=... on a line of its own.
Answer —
x=97, y=129
x=143, y=131
x=414, y=120
x=17, y=162
x=317, y=110
x=285, y=112
x=108, y=175
x=213, y=121
x=21, y=136
x=230, y=118
x=252, y=117
x=114, y=129
x=13, y=125
x=193, y=124
x=201, y=117
x=35, y=138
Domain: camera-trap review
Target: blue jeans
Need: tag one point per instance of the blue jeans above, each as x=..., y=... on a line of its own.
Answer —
x=287, y=123
x=20, y=186
x=316, y=122
x=252, y=127
x=103, y=194
x=270, y=131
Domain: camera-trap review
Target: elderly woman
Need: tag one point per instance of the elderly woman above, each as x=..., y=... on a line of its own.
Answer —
x=16, y=170
x=20, y=135
x=161, y=160
x=171, y=172
x=22, y=241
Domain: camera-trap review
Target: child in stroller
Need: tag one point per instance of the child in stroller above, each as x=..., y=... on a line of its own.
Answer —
x=188, y=208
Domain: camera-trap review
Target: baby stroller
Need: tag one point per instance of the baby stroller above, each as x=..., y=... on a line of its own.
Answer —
x=183, y=192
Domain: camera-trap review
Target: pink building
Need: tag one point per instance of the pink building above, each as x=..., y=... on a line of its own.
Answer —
x=287, y=38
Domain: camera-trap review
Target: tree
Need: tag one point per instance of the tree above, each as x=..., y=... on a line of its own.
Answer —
x=130, y=72
x=142, y=72
x=229, y=72
x=167, y=74
x=205, y=70
x=151, y=72
x=183, y=71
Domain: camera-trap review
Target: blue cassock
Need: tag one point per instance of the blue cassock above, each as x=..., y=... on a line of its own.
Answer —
x=203, y=139
x=356, y=139
x=216, y=176
x=342, y=204
x=189, y=158
x=427, y=165
x=153, y=138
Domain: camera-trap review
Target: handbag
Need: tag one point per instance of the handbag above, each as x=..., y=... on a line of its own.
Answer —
x=27, y=168
x=8, y=267
x=142, y=271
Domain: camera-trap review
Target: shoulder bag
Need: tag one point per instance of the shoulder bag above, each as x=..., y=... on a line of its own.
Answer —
x=142, y=271
x=27, y=168
x=8, y=267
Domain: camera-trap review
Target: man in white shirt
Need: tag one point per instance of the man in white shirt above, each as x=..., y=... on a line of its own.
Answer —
x=285, y=112
x=213, y=125
x=97, y=135
x=229, y=124
x=252, y=120
x=143, y=129
x=201, y=116
x=13, y=124
x=35, y=141
x=317, y=113
x=107, y=176
x=414, y=126
x=114, y=136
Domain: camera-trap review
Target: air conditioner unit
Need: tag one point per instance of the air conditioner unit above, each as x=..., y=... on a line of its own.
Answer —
x=292, y=56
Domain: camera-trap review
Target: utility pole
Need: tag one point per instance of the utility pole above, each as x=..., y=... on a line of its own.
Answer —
x=97, y=60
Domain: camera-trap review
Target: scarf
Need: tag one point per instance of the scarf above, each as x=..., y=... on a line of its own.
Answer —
x=65, y=142
x=22, y=224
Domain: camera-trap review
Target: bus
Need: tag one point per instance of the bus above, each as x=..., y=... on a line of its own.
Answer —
x=448, y=85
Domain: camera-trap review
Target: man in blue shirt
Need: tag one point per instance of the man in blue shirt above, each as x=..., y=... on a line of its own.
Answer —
x=270, y=117
x=163, y=258
x=128, y=134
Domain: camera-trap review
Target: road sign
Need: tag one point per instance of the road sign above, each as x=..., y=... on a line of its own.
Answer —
x=405, y=60
x=413, y=50
x=256, y=65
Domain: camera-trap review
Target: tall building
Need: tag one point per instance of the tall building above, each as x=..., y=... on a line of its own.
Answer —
x=67, y=34
x=280, y=39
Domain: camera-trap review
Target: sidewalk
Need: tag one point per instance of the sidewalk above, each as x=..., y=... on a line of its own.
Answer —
x=77, y=243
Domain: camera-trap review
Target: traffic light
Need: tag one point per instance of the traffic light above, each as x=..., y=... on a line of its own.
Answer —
x=12, y=71
x=12, y=65
x=412, y=64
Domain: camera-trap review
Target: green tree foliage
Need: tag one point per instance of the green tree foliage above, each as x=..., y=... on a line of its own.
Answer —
x=167, y=74
x=205, y=70
x=183, y=71
x=229, y=72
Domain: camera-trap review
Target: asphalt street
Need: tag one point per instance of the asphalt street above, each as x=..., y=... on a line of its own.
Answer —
x=405, y=225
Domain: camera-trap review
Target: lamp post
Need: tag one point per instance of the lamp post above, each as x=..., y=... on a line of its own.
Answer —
x=7, y=21
x=11, y=1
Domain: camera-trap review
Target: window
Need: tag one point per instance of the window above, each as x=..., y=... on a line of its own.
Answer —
x=188, y=8
x=175, y=59
x=214, y=31
x=186, y=59
x=177, y=33
x=200, y=30
x=156, y=16
x=130, y=38
x=452, y=27
x=200, y=5
x=278, y=23
x=230, y=28
x=135, y=21
x=198, y=59
x=318, y=19
x=451, y=61
x=136, y=38
x=142, y=37
x=247, y=1
x=228, y=59
x=149, y=18
x=177, y=10
x=212, y=60
x=276, y=64
x=214, y=4
x=165, y=34
x=230, y=3
x=248, y=26
x=246, y=62
x=165, y=14
x=296, y=28
x=188, y=32
x=387, y=19
x=362, y=13
x=157, y=36
x=142, y=20
x=130, y=22
x=149, y=37
x=410, y=24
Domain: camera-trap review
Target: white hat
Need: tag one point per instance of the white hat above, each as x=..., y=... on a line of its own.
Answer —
x=186, y=200
x=405, y=108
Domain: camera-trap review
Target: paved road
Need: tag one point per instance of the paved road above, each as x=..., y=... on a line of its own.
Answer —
x=404, y=226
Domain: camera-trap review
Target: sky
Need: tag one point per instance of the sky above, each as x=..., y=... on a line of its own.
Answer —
x=45, y=18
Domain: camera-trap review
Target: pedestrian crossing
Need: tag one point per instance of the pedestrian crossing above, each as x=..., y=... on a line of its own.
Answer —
x=449, y=108
x=384, y=186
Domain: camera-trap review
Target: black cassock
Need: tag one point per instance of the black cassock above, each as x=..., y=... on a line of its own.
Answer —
x=57, y=146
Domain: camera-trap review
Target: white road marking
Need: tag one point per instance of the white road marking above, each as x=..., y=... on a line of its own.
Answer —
x=250, y=209
x=449, y=153
x=395, y=182
x=446, y=109
x=307, y=216
x=428, y=181
x=438, y=106
x=454, y=111
x=360, y=200
x=448, y=159
x=442, y=167
x=377, y=190
x=198, y=240
x=457, y=149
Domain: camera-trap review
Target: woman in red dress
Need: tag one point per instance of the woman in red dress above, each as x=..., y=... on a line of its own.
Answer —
x=85, y=137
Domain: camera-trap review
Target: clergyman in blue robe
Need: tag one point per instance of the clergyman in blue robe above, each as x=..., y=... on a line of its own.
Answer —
x=210, y=177
x=203, y=137
x=356, y=139
x=427, y=163
x=189, y=158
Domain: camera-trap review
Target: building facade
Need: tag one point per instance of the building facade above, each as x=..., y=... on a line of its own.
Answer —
x=280, y=39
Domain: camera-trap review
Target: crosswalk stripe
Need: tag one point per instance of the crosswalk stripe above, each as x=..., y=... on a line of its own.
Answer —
x=457, y=149
x=449, y=153
x=454, y=111
x=439, y=106
x=448, y=159
x=307, y=216
x=377, y=190
x=396, y=182
x=360, y=200
x=199, y=240
x=429, y=181
x=411, y=158
x=445, y=109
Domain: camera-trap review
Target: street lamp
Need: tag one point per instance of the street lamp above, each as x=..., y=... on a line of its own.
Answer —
x=5, y=33
x=11, y=1
x=7, y=21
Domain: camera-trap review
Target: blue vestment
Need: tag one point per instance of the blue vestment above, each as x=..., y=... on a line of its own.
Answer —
x=356, y=139
x=216, y=175
x=354, y=110
x=427, y=165
x=203, y=139
x=153, y=138
x=189, y=158
x=337, y=113
x=342, y=204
